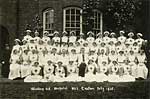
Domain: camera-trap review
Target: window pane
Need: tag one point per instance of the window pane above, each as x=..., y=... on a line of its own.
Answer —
x=49, y=19
x=77, y=24
x=77, y=18
x=67, y=24
x=72, y=24
x=67, y=11
x=72, y=18
x=67, y=17
x=78, y=12
x=72, y=11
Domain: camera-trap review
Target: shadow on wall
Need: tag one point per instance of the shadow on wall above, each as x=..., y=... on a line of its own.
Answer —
x=4, y=38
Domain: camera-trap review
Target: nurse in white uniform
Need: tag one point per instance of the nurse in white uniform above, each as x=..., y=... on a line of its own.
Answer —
x=90, y=39
x=49, y=72
x=114, y=77
x=101, y=72
x=91, y=71
x=72, y=71
x=36, y=38
x=27, y=37
x=127, y=77
x=73, y=37
x=122, y=38
x=35, y=73
x=142, y=71
x=130, y=40
x=59, y=72
x=15, y=65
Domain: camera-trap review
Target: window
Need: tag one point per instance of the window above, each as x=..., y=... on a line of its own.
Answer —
x=48, y=20
x=72, y=20
x=97, y=21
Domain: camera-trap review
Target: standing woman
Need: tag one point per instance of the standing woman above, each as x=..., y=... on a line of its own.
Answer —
x=14, y=65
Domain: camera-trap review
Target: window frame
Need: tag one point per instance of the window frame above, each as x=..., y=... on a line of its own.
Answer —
x=65, y=15
x=51, y=29
x=98, y=21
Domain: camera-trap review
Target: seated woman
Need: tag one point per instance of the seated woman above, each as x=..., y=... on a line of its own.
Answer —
x=91, y=71
x=48, y=72
x=35, y=73
x=15, y=65
x=72, y=72
x=126, y=76
x=141, y=71
x=113, y=77
x=59, y=72
x=101, y=74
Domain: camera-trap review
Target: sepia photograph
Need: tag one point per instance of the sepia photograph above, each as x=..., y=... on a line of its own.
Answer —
x=74, y=49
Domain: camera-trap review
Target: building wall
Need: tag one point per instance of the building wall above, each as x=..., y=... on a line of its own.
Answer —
x=8, y=23
x=28, y=9
x=15, y=14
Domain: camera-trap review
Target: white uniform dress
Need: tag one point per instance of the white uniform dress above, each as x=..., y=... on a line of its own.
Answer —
x=90, y=76
x=113, y=57
x=98, y=41
x=64, y=39
x=25, y=67
x=72, y=72
x=35, y=77
x=114, y=77
x=33, y=57
x=106, y=39
x=45, y=39
x=131, y=58
x=43, y=58
x=101, y=76
x=139, y=41
x=36, y=39
x=64, y=59
x=126, y=76
x=81, y=41
x=93, y=57
x=27, y=38
x=122, y=39
x=18, y=48
x=48, y=73
x=54, y=57
x=72, y=39
x=90, y=40
x=59, y=74
x=102, y=58
x=40, y=48
x=73, y=57
x=130, y=41
x=56, y=39
x=24, y=47
x=141, y=58
x=142, y=71
x=14, y=67
x=32, y=46
x=135, y=49
x=133, y=67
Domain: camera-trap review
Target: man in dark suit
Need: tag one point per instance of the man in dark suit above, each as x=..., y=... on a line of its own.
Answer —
x=146, y=48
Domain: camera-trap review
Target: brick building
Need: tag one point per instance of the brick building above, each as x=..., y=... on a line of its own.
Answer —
x=60, y=15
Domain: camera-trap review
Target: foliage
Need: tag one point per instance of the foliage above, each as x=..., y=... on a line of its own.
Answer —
x=117, y=14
